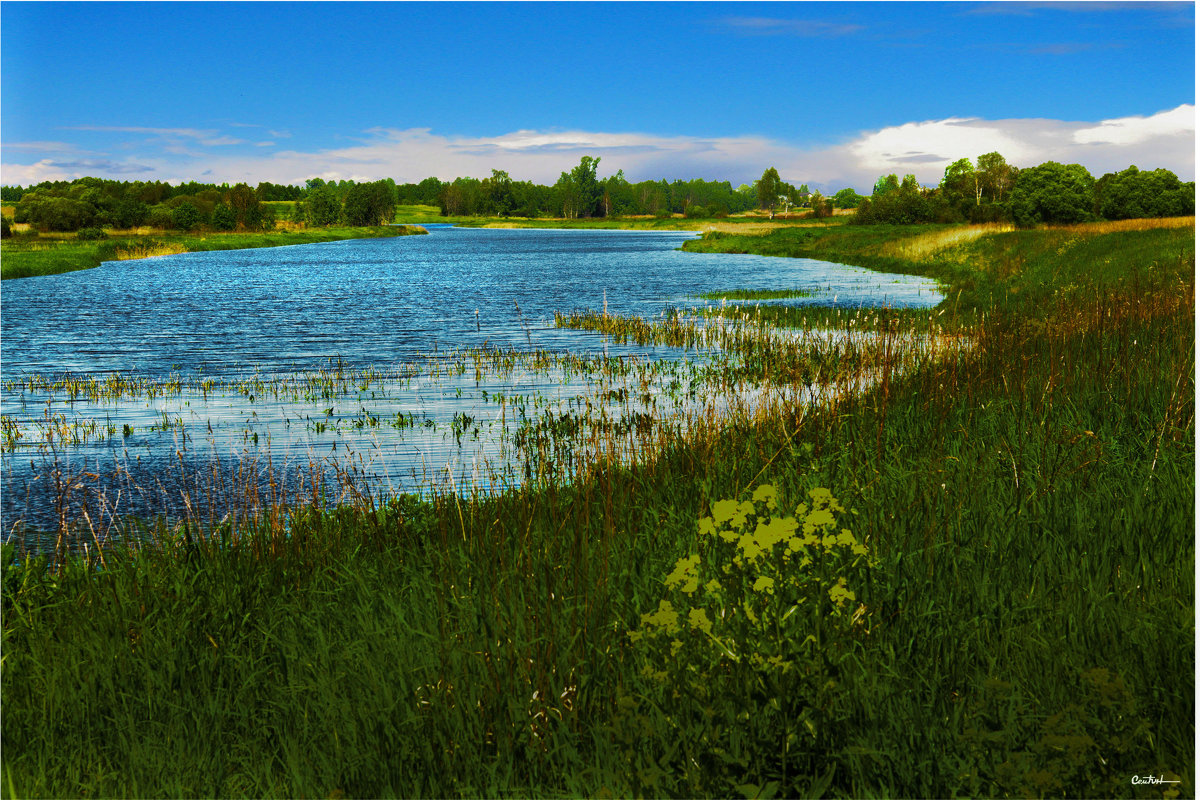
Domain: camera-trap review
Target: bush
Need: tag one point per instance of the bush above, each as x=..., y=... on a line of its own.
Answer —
x=223, y=218
x=185, y=217
x=742, y=659
x=1052, y=193
x=91, y=234
x=161, y=217
x=5, y=228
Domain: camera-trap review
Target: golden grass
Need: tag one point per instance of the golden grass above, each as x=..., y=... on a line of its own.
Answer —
x=918, y=248
x=142, y=230
x=143, y=251
x=1116, y=226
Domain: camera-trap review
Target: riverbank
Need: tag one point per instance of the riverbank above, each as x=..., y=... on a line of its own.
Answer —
x=1010, y=613
x=26, y=256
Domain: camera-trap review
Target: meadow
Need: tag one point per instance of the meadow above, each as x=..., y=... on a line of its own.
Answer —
x=964, y=568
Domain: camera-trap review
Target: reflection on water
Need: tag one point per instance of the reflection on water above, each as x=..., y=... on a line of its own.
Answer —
x=246, y=349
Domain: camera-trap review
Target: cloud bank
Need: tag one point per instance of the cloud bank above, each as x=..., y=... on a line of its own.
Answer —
x=1165, y=139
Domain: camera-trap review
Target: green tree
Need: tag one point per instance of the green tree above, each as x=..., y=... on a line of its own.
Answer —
x=996, y=177
x=247, y=210
x=768, y=189
x=323, y=206
x=1052, y=193
x=497, y=193
x=847, y=198
x=186, y=216
x=369, y=204
x=1132, y=194
x=961, y=182
x=578, y=192
x=223, y=218
x=820, y=205
x=886, y=185
x=130, y=212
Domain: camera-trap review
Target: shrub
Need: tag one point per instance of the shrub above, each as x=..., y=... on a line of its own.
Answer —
x=185, y=216
x=743, y=656
x=5, y=228
x=91, y=234
x=223, y=218
x=161, y=217
x=1052, y=193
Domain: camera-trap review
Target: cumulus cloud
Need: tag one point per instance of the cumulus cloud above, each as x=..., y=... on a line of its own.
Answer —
x=1166, y=139
x=922, y=148
x=1137, y=130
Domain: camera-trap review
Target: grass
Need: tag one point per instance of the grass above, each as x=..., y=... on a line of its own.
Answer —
x=1024, y=627
x=27, y=256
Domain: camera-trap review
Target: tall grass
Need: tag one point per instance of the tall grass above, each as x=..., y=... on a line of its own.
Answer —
x=1026, y=627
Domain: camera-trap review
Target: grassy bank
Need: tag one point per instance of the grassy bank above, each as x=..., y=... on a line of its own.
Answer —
x=26, y=256
x=1010, y=614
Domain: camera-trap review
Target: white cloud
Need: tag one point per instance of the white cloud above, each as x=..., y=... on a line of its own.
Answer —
x=1166, y=139
x=922, y=148
x=1136, y=130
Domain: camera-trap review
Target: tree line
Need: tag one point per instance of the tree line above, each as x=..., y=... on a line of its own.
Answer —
x=992, y=190
x=988, y=190
x=89, y=204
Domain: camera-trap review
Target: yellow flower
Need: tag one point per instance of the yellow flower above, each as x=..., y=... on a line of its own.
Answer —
x=684, y=575
x=839, y=594
x=666, y=617
x=766, y=494
x=764, y=583
x=698, y=619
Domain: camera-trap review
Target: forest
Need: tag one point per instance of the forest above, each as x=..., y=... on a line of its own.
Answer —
x=988, y=190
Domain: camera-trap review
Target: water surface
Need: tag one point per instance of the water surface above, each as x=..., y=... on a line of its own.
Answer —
x=343, y=307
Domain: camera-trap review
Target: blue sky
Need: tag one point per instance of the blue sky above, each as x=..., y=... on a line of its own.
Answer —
x=833, y=94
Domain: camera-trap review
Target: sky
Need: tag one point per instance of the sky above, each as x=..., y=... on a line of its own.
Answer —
x=831, y=94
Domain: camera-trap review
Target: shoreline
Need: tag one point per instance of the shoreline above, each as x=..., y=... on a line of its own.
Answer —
x=29, y=257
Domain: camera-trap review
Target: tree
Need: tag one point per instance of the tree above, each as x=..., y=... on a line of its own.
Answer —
x=847, y=198
x=587, y=187
x=996, y=177
x=223, y=218
x=323, y=205
x=368, y=204
x=821, y=206
x=886, y=185
x=1052, y=193
x=497, y=193
x=130, y=212
x=246, y=208
x=1131, y=194
x=904, y=202
x=960, y=182
x=768, y=187
x=185, y=216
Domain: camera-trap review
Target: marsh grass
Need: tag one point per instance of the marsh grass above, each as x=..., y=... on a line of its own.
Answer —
x=1027, y=502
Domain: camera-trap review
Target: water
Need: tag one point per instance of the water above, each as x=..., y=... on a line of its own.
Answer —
x=380, y=304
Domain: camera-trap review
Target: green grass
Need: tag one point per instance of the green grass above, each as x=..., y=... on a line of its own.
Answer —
x=1026, y=629
x=418, y=214
x=27, y=256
